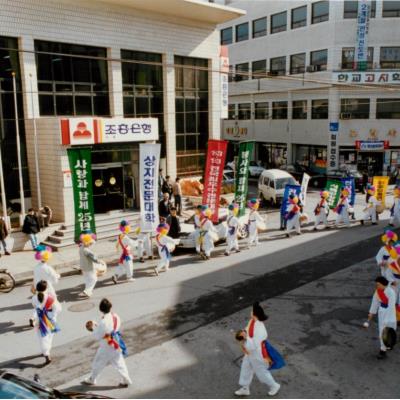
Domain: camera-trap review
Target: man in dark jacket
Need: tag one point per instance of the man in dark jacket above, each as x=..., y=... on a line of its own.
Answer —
x=3, y=235
x=167, y=187
x=31, y=227
x=164, y=206
x=174, y=224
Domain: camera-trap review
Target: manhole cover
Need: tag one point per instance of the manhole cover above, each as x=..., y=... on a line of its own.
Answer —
x=81, y=307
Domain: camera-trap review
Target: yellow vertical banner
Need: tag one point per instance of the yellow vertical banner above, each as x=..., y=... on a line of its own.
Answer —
x=381, y=184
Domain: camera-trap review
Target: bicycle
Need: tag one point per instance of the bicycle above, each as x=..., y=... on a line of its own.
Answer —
x=7, y=281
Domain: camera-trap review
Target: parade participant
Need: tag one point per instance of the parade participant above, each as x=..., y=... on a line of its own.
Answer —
x=384, y=304
x=143, y=243
x=125, y=264
x=321, y=209
x=255, y=222
x=46, y=308
x=233, y=226
x=395, y=210
x=293, y=216
x=370, y=210
x=207, y=234
x=43, y=271
x=88, y=261
x=342, y=209
x=197, y=222
x=256, y=360
x=383, y=256
x=112, y=349
x=165, y=245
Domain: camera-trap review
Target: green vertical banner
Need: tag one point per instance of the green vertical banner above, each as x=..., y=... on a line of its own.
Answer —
x=80, y=164
x=242, y=175
x=333, y=187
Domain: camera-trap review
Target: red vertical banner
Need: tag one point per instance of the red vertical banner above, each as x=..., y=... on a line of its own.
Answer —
x=216, y=154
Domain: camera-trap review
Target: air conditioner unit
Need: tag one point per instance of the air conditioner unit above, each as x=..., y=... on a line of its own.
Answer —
x=272, y=73
x=346, y=115
x=311, y=68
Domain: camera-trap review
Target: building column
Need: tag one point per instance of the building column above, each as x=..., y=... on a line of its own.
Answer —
x=334, y=116
x=115, y=82
x=289, y=145
x=169, y=113
x=214, y=98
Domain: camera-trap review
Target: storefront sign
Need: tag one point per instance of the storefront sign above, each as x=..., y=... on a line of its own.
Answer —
x=82, y=131
x=378, y=145
x=380, y=78
x=350, y=185
x=289, y=190
x=361, y=53
x=381, y=184
x=224, y=73
x=333, y=146
x=236, y=132
x=242, y=175
x=81, y=168
x=333, y=187
x=149, y=159
x=304, y=186
x=216, y=154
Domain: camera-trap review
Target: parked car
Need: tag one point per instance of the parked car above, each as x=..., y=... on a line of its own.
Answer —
x=255, y=170
x=271, y=185
x=17, y=387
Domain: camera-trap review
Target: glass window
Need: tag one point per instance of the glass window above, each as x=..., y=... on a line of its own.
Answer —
x=297, y=63
x=242, y=32
x=390, y=57
x=319, y=59
x=226, y=36
x=299, y=17
x=278, y=22
x=320, y=12
x=242, y=72
x=351, y=9
x=278, y=65
x=299, y=109
x=259, y=69
x=231, y=111
x=231, y=75
x=354, y=108
x=279, y=110
x=79, y=86
x=348, y=58
x=244, y=111
x=319, y=109
x=261, y=110
x=391, y=9
x=259, y=27
x=388, y=108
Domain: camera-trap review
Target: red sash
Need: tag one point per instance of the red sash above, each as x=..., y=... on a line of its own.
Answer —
x=251, y=327
x=382, y=297
x=110, y=338
x=203, y=222
x=49, y=302
x=394, y=266
x=125, y=251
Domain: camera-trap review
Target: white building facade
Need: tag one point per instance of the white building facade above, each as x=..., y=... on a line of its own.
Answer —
x=293, y=74
x=107, y=59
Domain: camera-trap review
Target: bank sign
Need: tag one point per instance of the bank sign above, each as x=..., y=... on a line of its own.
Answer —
x=378, y=145
x=84, y=131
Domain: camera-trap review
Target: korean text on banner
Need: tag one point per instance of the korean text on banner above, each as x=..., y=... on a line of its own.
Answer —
x=350, y=185
x=242, y=175
x=81, y=170
x=289, y=190
x=381, y=184
x=224, y=71
x=333, y=187
x=216, y=154
x=149, y=159
x=304, y=186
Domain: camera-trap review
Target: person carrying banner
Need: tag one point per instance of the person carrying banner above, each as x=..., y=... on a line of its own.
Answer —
x=46, y=309
x=383, y=256
x=207, y=233
x=233, y=226
x=255, y=222
x=342, y=209
x=395, y=210
x=165, y=246
x=370, y=210
x=321, y=210
x=293, y=216
x=257, y=357
x=125, y=265
x=384, y=304
x=112, y=349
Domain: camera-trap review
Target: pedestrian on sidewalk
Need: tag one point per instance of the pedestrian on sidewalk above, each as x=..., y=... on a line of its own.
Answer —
x=125, y=264
x=46, y=309
x=177, y=192
x=45, y=215
x=112, y=348
x=395, y=210
x=88, y=263
x=255, y=222
x=31, y=227
x=207, y=235
x=342, y=209
x=43, y=271
x=174, y=224
x=3, y=235
x=370, y=212
x=165, y=246
x=293, y=216
x=161, y=180
x=164, y=206
x=384, y=304
x=167, y=186
x=233, y=226
x=257, y=357
x=321, y=210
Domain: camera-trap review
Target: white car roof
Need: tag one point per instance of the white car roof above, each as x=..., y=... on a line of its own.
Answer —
x=276, y=173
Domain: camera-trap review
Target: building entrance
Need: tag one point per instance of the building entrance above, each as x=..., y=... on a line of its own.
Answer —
x=370, y=162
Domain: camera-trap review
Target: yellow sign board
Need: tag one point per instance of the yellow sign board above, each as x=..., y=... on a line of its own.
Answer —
x=381, y=184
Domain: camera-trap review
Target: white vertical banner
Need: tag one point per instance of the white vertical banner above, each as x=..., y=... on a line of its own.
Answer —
x=224, y=74
x=149, y=160
x=304, y=186
x=361, y=51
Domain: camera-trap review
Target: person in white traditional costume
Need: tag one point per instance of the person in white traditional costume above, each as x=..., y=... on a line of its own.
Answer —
x=233, y=226
x=43, y=271
x=370, y=210
x=321, y=210
x=383, y=256
x=208, y=234
x=395, y=210
x=293, y=216
x=165, y=246
x=143, y=244
x=112, y=349
x=255, y=222
x=342, y=209
x=46, y=309
x=197, y=222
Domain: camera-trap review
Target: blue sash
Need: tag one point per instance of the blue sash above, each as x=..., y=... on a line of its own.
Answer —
x=118, y=338
x=277, y=360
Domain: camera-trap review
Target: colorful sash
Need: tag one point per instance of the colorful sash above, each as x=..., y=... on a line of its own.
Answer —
x=126, y=255
x=164, y=248
x=339, y=208
x=114, y=339
x=319, y=206
x=384, y=301
x=395, y=268
x=46, y=323
x=290, y=215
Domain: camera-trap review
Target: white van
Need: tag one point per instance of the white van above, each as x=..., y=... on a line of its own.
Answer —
x=271, y=185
